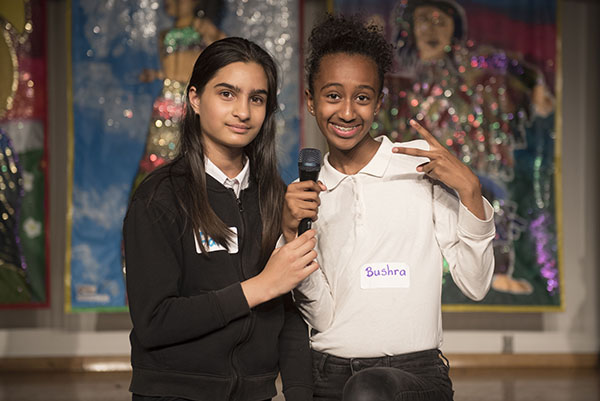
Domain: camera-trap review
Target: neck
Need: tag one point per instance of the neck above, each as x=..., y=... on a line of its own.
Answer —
x=229, y=160
x=351, y=161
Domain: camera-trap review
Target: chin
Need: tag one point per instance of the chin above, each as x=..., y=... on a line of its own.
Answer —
x=343, y=143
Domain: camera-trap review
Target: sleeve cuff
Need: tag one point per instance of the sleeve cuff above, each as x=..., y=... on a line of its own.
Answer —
x=474, y=226
x=232, y=302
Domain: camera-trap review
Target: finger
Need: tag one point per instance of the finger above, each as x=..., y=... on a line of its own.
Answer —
x=308, y=260
x=423, y=132
x=431, y=170
x=425, y=167
x=412, y=151
x=306, y=248
x=323, y=187
x=303, y=239
x=312, y=267
x=308, y=205
x=304, y=214
x=304, y=186
x=304, y=196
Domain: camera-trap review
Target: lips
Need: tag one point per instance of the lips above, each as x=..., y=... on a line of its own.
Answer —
x=345, y=131
x=238, y=128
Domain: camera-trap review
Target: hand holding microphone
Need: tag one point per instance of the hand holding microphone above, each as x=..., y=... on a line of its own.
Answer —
x=309, y=166
x=302, y=197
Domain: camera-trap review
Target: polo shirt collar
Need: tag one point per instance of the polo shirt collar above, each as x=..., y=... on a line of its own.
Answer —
x=238, y=184
x=376, y=166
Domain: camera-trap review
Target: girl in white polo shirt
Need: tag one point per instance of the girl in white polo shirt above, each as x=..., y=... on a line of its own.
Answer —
x=388, y=214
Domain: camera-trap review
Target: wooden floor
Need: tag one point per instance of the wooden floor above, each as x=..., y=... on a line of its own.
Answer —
x=553, y=384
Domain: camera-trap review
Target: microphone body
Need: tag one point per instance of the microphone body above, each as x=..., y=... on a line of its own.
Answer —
x=309, y=165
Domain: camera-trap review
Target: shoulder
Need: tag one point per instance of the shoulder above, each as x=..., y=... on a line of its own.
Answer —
x=161, y=185
x=403, y=163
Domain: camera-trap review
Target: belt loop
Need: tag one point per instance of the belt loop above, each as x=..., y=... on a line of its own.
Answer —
x=388, y=361
x=321, y=367
x=322, y=361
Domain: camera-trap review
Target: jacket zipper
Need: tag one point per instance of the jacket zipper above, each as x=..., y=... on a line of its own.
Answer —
x=247, y=325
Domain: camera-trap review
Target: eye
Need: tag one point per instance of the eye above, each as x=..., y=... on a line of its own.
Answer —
x=258, y=100
x=363, y=99
x=333, y=96
x=226, y=94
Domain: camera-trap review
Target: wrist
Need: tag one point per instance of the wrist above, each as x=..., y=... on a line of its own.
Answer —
x=471, y=189
x=255, y=291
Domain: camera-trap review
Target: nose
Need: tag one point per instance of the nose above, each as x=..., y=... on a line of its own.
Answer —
x=347, y=112
x=242, y=110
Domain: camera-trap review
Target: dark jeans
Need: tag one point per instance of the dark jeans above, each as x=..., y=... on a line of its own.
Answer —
x=417, y=376
x=137, y=397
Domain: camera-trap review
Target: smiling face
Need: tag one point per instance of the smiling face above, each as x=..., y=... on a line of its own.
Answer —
x=232, y=108
x=345, y=100
x=433, y=30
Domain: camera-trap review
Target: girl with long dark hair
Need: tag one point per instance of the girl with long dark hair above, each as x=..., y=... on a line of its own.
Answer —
x=209, y=298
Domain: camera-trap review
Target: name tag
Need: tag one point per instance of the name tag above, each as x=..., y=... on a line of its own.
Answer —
x=211, y=245
x=385, y=275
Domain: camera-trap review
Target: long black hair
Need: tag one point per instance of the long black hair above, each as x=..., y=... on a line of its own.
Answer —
x=261, y=151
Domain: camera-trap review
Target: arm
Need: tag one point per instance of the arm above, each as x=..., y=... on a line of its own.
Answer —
x=314, y=300
x=295, y=362
x=466, y=242
x=464, y=229
x=312, y=295
x=160, y=315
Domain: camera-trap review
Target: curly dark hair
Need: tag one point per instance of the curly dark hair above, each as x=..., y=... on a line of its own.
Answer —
x=350, y=35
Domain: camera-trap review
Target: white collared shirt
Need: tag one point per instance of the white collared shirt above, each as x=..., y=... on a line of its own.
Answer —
x=382, y=236
x=238, y=184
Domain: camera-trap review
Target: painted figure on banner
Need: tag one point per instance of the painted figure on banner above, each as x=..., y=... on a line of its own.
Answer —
x=14, y=286
x=477, y=100
x=194, y=28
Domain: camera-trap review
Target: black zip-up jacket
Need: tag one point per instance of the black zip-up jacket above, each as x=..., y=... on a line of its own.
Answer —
x=194, y=335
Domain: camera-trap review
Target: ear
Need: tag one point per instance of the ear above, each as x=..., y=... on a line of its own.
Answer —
x=194, y=99
x=310, y=102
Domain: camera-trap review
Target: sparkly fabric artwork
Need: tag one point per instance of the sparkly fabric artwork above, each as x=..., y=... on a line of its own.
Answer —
x=131, y=61
x=480, y=75
x=23, y=264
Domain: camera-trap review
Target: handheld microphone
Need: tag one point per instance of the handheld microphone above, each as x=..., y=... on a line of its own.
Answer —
x=309, y=165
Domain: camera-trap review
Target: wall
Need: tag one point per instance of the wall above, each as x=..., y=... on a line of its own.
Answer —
x=50, y=332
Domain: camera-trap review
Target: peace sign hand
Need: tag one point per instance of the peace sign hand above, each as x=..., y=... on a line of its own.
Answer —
x=445, y=167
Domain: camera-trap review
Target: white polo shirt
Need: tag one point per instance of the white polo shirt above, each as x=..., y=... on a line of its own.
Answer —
x=382, y=236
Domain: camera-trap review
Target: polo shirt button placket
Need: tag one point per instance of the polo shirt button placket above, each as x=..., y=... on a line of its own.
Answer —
x=358, y=207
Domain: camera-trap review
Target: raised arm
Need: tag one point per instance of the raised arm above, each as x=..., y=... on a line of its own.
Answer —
x=464, y=226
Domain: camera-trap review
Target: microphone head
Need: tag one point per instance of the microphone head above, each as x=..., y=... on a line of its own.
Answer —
x=309, y=159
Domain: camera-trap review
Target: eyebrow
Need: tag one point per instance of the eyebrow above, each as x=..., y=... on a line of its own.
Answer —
x=238, y=89
x=369, y=87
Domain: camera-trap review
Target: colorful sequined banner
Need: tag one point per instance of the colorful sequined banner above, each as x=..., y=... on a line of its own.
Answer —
x=481, y=76
x=131, y=60
x=23, y=163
